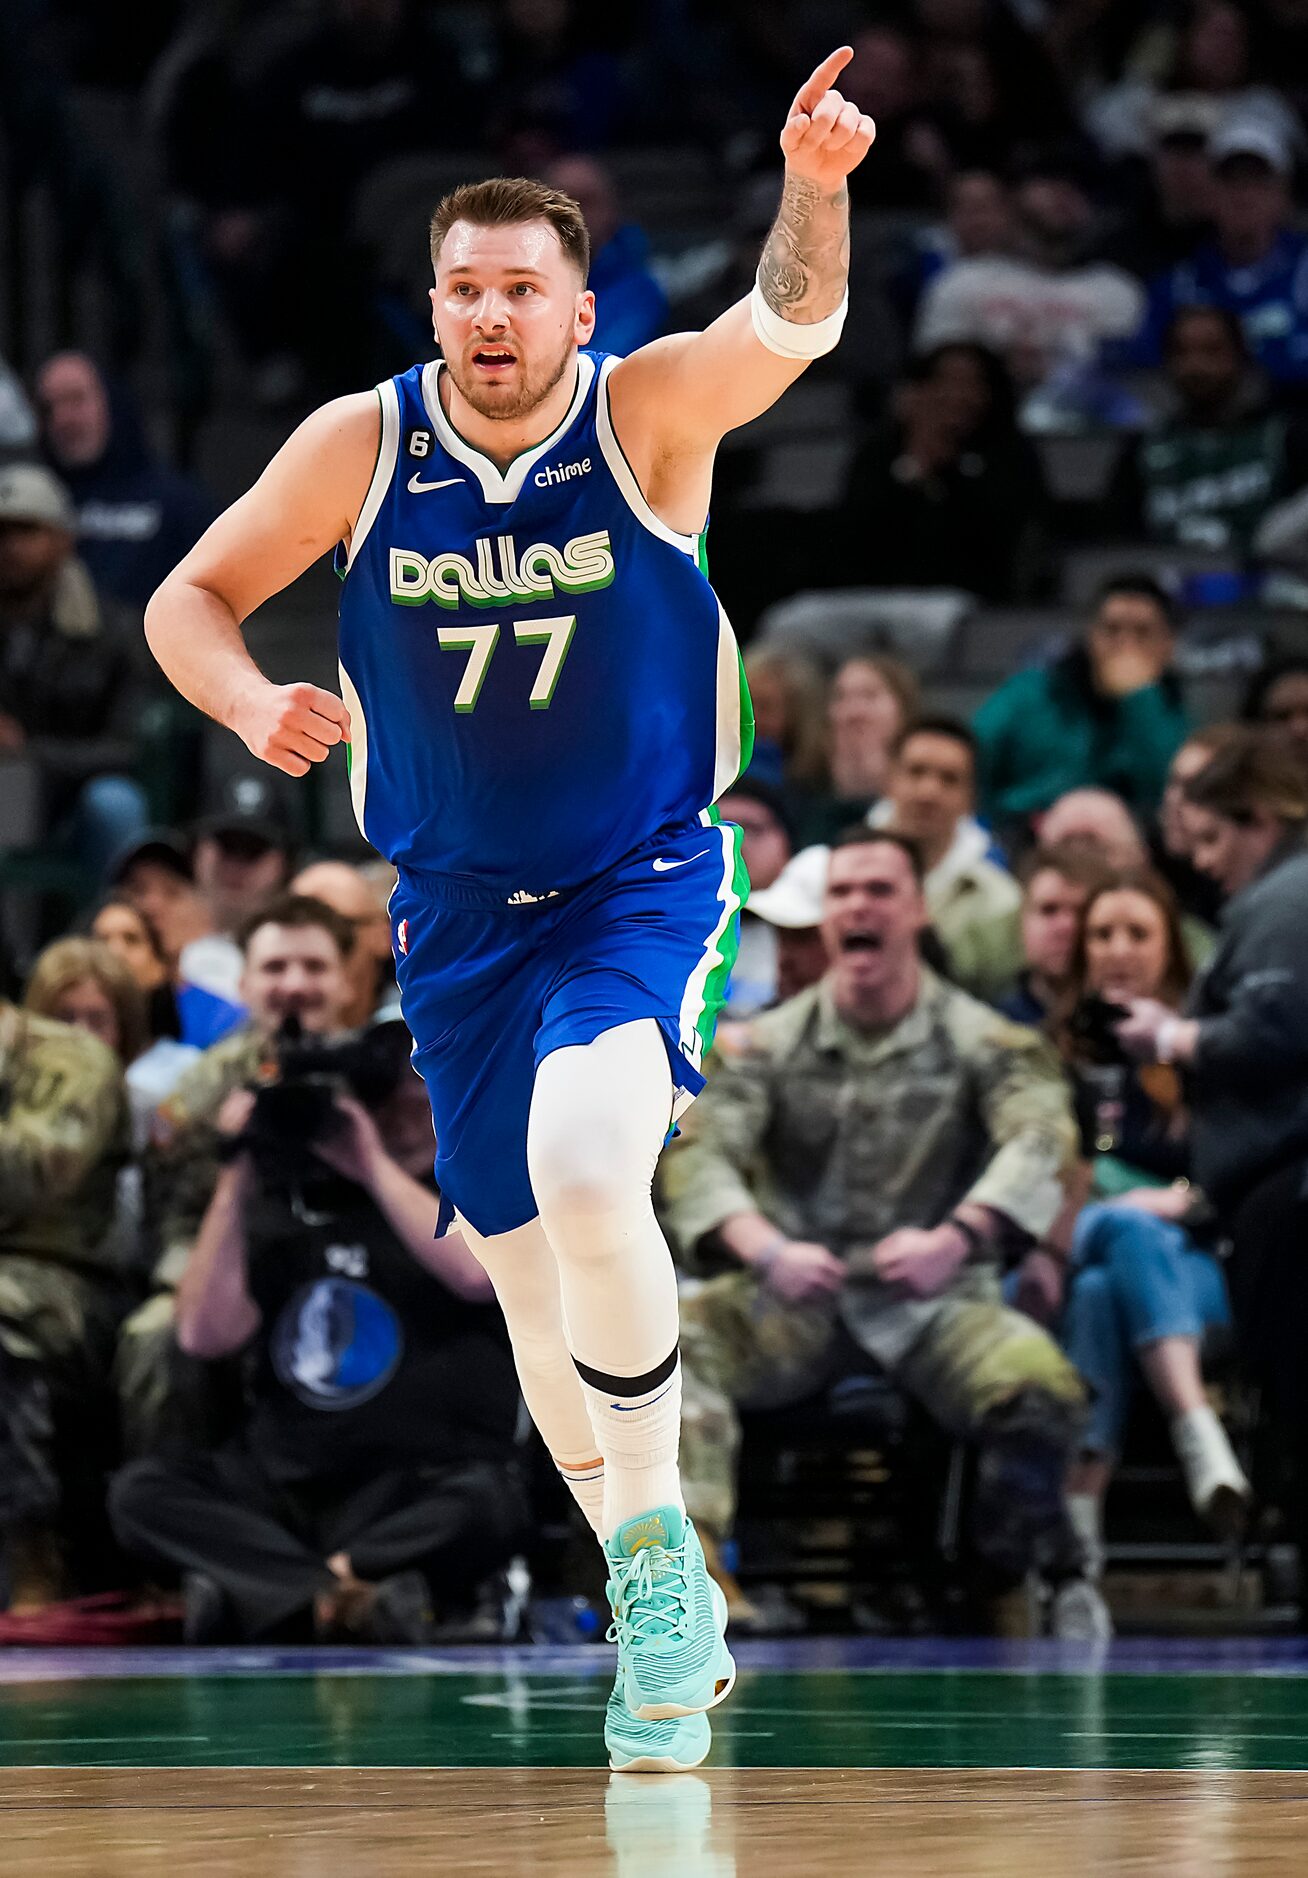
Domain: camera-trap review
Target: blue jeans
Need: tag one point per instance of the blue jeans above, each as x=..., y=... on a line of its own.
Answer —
x=1135, y=1279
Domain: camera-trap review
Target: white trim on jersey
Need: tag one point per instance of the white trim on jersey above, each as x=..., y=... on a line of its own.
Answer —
x=497, y=485
x=726, y=761
x=692, y=1001
x=358, y=745
x=621, y=471
x=384, y=470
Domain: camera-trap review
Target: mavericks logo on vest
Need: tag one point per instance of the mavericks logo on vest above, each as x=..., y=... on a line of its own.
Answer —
x=502, y=573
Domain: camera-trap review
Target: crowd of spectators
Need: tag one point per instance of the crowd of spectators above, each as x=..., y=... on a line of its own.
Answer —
x=1009, y=1106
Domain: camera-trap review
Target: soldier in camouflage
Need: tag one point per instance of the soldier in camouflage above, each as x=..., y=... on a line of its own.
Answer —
x=880, y=1148
x=296, y=953
x=63, y=1138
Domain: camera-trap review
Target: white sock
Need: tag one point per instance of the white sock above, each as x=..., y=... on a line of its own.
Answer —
x=585, y=1482
x=1085, y=1513
x=1207, y=1458
x=639, y=1436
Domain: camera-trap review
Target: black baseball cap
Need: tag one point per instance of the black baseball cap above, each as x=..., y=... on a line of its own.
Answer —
x=248, y=821
x=164, y=846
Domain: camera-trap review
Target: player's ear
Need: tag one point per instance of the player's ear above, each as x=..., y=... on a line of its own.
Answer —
x=584, y=325
x=431, y=295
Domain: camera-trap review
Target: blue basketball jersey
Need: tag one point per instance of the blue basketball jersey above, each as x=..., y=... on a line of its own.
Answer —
x=539, y=676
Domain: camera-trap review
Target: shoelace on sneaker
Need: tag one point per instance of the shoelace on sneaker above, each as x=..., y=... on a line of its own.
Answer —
x=647, y=1605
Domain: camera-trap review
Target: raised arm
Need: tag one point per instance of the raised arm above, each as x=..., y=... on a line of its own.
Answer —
x=307, y=500
x=685, y=392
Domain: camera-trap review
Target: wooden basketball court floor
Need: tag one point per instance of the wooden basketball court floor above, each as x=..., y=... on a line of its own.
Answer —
x=979, y=1760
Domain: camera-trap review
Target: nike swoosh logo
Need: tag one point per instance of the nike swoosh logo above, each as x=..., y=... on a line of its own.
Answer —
x=417, y=487
x=665, y=867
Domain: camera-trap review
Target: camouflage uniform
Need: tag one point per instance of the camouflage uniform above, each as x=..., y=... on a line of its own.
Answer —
x=162, y=1397
x=63, y=1139
x=840, y=1137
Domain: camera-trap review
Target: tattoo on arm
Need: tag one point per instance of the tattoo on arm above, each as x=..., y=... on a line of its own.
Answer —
x=805, y=262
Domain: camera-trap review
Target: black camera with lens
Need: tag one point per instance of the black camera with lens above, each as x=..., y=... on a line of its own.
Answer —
x=295, y=1104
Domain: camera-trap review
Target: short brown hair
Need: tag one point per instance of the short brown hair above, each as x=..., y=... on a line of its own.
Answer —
x=70, y=962
x=299, y=910
x=864, y=835
x=501, y=201
x=1253, y=770
x=1080, y=866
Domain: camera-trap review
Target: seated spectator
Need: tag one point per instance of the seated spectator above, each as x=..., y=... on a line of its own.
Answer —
x=872, y=698
x=631, y=306
x=1172, y=212
x=157, y=875
x=1099, y=825
x=1278, y=698
x=980, y=219
x=370, y=968
x=1142, y=1290
x=84, y=982
x=1207, y=75
x=294, y=967
x=66, y=695
x=788, y=693
x=63, y=1138
x=787, y=915
x=972, y=900
x=179, y=1014
x=1107, y=713
x=948, y=493
x=1243, y=1047
x=884, y=79
x=242, y=855
x=1057, y=881
x=317, y=120
x=1047, y=312
x=17, y=419
x=767, y=845
x=135, y=517
x=1222, y=457
x=979, y=119
x=371, y=1477
x=1255, y=265
x=870, y=1160
x=1198, y=895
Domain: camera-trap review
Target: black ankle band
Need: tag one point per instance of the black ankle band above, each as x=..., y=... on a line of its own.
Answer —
x=628, y=1385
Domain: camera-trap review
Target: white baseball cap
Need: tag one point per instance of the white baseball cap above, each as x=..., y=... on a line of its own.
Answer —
x=794, y=900
x=1247, y=137
x=29, y=493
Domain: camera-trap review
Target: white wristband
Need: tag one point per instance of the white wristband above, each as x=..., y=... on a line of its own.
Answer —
x=788, y=339
x=1165, y=1039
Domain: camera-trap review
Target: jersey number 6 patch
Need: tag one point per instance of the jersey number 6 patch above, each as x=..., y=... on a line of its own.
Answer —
x=479, y=642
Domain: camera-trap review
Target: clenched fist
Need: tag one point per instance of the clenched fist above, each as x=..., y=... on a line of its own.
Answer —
x=291, y=726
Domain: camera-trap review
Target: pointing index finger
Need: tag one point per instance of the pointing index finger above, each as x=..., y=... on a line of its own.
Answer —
x=809, y=94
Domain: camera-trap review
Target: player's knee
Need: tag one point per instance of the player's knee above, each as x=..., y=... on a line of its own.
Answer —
x=581, y=1187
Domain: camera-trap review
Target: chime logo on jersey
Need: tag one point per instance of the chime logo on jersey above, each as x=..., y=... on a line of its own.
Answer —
x=501, y=573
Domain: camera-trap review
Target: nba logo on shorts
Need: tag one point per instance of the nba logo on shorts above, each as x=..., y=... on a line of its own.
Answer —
x=402, y=938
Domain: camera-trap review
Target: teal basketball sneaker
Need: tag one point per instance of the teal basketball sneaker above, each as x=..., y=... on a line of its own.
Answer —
x=653, y=1747
x=669, y=1618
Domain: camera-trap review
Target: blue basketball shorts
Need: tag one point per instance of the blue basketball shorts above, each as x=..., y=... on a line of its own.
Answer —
x=489, y=991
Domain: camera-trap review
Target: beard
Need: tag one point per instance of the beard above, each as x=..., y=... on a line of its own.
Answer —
x=511, y=406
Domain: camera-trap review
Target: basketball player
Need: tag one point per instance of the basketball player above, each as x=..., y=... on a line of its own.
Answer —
x=542, y=700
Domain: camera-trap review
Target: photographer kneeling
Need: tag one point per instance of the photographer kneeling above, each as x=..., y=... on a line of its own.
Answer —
x=1244, y=1049
x=373, y=1470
